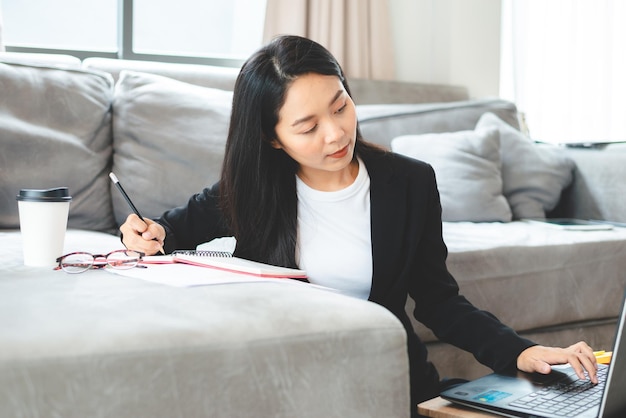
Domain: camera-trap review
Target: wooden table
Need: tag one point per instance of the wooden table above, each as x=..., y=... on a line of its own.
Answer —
x=440, y=408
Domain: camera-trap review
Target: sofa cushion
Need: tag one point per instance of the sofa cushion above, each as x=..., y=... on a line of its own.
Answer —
x=55, y=130
x=467, y=166
x=40, y=59
x=197, y=74
x=533, y=175
x=580, y=273
x=557, y=276
x=169, y=139
x=381, y=123
x=597, y=191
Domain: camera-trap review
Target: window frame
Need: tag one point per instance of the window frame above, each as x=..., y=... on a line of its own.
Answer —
x=125, y=46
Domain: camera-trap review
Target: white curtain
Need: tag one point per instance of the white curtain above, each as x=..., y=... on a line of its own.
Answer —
x=357, y=32
x=564, y=65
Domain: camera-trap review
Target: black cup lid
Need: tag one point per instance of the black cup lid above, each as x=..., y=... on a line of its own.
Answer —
x=57, y=194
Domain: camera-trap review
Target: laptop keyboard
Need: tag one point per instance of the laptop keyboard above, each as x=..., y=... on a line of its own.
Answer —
x=565, y=399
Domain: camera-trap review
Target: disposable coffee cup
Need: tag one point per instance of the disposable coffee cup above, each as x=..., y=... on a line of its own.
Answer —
x=43, y=222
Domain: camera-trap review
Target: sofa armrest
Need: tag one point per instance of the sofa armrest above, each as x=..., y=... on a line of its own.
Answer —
x=598, y=189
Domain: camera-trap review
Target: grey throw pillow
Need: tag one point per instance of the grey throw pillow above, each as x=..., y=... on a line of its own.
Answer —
x=55, y=130
x=467, y=166
x=533, y=175
x=169, y=139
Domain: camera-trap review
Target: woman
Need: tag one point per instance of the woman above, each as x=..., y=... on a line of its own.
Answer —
x=301, y=188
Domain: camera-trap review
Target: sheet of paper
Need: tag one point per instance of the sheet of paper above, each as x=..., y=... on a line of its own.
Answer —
x=183, y=275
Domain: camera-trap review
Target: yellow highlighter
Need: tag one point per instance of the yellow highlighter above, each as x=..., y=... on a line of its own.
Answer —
x=603, y=357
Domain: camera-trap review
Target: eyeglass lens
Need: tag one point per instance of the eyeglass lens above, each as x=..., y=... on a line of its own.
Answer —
x=79, y=262
x=123, y=259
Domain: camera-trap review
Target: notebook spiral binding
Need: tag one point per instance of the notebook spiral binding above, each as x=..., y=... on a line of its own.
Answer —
x=203, y=253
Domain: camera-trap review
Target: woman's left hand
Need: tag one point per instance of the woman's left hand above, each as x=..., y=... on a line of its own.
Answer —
x=539, y=359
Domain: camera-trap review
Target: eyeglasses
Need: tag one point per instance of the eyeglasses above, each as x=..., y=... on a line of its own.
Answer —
x=79, y=262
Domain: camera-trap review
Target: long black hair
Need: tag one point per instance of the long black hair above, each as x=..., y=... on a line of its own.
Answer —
x=258, y=183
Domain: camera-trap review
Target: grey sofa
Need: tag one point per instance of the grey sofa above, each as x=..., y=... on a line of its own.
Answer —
x=161, y=129
x=101, y=345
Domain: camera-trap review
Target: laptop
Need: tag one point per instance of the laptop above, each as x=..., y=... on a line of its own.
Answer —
x=558, y=394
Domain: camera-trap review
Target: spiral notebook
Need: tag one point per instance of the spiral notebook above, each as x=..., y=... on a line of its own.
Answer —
x=225, y=261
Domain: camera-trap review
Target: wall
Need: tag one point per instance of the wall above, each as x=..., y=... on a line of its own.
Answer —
x=448, y=42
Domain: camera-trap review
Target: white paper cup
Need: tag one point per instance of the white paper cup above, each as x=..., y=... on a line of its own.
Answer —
x=43, y=222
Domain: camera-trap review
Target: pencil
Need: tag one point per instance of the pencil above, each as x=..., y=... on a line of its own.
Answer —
x=130, y=202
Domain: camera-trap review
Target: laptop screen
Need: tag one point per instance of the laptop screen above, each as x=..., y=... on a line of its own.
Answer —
x=614, y=401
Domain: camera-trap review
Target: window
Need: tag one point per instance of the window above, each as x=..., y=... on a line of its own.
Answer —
x=214, y=32
x=35, y=24
x=564, y=65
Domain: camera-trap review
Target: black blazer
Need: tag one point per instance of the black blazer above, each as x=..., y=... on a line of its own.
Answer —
x=409, y=258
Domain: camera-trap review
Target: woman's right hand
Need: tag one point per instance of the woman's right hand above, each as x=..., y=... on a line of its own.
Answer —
x=138, y=235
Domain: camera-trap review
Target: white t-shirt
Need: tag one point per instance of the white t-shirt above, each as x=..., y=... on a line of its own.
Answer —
x=334, y=236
